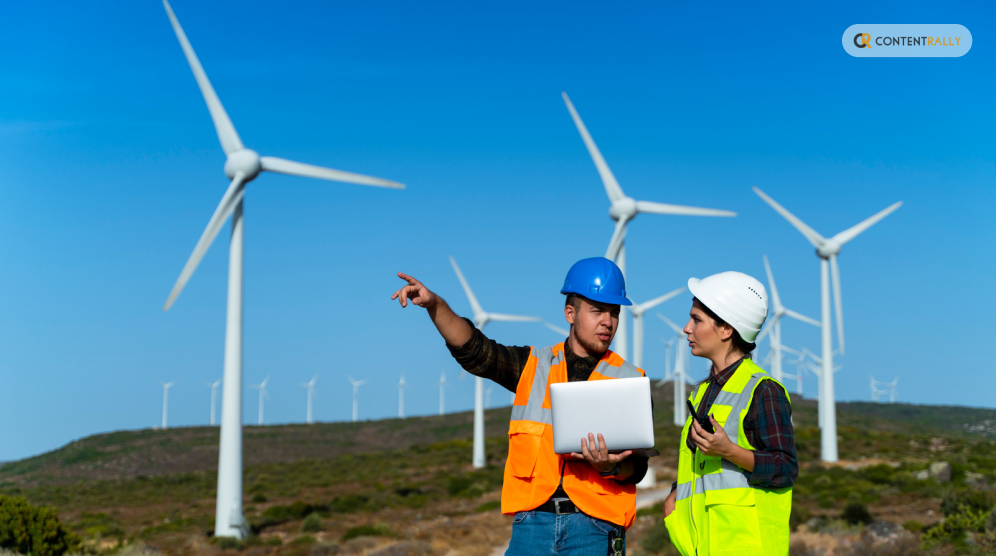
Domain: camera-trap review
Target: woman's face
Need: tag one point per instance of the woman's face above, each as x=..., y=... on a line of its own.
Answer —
x=704, y=337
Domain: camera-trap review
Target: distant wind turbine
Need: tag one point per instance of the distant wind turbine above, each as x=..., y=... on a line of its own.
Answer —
x=481, y=319
x=487, y=396
x=638, y=310
x=214, y=396
x=166, y=387
x=402, y=386
x=679, y=373
x=310, y=385
x=827, y=250
x=622, y=210
x=356, y=396
x=262, y=393
x=774, y=324
x=242, y=165
x=442, y=393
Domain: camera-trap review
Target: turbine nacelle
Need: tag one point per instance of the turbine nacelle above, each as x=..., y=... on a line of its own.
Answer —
x=827, y=249
x=246, y=161
x=624, y=209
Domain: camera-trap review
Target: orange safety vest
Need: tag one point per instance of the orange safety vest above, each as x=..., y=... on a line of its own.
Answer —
x=533, y=471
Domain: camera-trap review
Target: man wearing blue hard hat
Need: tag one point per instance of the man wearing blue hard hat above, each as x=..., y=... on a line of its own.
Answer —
x=569, y=504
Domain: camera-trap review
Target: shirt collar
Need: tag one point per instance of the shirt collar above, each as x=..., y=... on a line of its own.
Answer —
x=723, y=376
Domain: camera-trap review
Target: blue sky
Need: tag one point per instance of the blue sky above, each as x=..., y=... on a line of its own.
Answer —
x=110, y=168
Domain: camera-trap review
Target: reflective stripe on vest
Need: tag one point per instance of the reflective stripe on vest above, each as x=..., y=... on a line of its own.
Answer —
x=716, y=509
x=533, y=470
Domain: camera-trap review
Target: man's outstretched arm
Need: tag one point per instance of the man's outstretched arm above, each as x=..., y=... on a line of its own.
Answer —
x=455, y=330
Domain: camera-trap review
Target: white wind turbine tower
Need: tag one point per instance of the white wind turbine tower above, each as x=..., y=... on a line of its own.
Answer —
x=798, y=376
x=481, y=319
x=774, y=324
x=214, y=396
x=638, y=310
x=166, y=387
x=622, y=210
x=356, y=396
x=817, y=370
x=262, y=393
x=442, y=393
x=241, y=166
x=310, y=385
x=875, y=392
x=827, y=250
x=678, y=374
x=402, y=386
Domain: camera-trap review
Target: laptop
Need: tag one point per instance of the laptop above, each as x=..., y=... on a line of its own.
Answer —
x=619, y=409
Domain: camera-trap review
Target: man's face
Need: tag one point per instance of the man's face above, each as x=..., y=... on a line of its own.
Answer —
x=593, y=324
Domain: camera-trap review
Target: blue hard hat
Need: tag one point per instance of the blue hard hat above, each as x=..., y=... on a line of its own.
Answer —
x=597, y=279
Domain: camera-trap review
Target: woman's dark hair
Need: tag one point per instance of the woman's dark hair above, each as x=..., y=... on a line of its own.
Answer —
x=739, y=344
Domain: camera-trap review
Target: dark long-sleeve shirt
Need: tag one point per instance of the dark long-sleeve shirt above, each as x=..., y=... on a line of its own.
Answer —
x=486, y=358
x=768, y=427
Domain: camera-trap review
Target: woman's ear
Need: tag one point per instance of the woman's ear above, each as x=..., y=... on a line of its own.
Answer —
x=725, y=332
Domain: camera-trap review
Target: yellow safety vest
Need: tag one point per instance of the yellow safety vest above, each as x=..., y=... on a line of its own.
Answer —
x=717, y=512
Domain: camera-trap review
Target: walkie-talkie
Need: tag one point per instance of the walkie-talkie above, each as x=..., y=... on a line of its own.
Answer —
x=704, y=423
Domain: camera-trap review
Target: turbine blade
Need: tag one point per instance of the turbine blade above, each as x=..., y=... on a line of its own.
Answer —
x=512, y=318
x=853, y=231
x=651, y=207
x=838, y=304
x=612, y=188
x=801, y=317
x=616, y=243
x=647, y=305
x=557, y=329
x=474, y=305
x=764, y=331
x=231, y=199
x=787, y=349
x=227, y=135
x=776, y=301
x=284, y=166
x=675, y=327
x=813, y=237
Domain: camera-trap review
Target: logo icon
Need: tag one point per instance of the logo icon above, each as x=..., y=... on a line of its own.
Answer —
x=862, y=40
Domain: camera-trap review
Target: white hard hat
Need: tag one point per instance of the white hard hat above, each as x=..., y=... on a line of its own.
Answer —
x=735, y=297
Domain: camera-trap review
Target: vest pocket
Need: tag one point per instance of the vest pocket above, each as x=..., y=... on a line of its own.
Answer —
x=524, y=443
x=733, y=523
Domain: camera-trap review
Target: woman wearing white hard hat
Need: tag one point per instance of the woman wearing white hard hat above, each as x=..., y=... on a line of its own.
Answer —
x=737, y=462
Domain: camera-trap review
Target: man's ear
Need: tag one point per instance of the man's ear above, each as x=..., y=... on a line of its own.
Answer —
x=569, y=313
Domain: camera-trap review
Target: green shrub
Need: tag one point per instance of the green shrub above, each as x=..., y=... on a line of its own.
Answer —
x=798, y=516
x=304, y=539
x=956, y=525
x=312, y=524
x=272, y=541
x=974, y=500
x=258, y=498
x=33, y=530
x=881, y=474
x=856, y=513
x=913, y=526
x=227, y=542
x=348, y=504
x=489, y=506
x=377, y=530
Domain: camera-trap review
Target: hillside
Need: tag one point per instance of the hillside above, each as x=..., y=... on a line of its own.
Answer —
x=411, y=480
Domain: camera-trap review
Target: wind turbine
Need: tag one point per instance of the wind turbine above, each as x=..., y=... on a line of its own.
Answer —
x=798, y=376
x=166, y=387
x=639, y=309
x=557, y=329
x=481, y=319
x=402, y=386
x=890, y=388
x=442, y=393
x=622, y=209
x=241, y=166
x=827, y=250
x=875, y=392
x=214, y=396
x=678, y=375
x=774, y=324
x=487, y=396
x=262, y=393
x=310, y=385
x=821, y=400
x=667, y=357
x=356, y=396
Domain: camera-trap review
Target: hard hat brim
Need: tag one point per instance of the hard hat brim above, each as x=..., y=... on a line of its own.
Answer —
x=602, y=298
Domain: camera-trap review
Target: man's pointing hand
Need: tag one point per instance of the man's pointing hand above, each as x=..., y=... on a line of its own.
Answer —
x=416, y=292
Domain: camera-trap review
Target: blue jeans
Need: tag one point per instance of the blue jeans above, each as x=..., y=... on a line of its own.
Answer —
x=545, y=533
